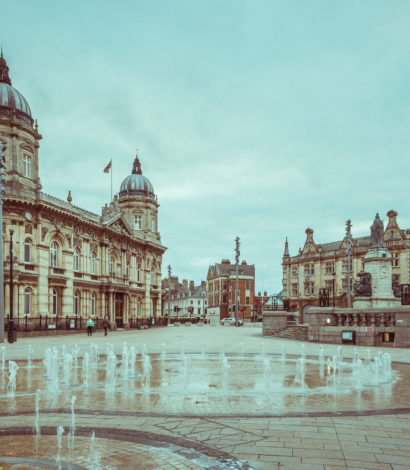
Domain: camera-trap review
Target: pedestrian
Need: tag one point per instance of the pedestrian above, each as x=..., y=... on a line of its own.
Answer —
x=90, y=326
x=106, y=325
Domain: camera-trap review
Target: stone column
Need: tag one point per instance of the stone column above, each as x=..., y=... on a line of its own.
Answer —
x=6, y=299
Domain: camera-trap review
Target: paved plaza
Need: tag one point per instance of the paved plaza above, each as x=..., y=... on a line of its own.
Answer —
x=364, y=439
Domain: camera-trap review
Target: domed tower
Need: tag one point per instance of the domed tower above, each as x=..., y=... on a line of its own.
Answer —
x=20, y=136
x=138, y=203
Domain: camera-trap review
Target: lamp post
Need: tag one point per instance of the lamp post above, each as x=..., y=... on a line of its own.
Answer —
x=333, y=288
x=237, y=253
x=169, y=293
x=11, y=331
x=2, y=173
x=349, y=262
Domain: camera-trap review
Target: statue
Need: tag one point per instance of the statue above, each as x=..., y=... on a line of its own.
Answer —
x=363, y=287
x=377, y=233
x=136, y=168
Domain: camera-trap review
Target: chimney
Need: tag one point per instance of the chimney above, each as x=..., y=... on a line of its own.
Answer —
x=226, y=261
x=203, y=284
x=259, y=293
x=244, y=262
x=184, y=284
x=191, y=286
x=265, y=294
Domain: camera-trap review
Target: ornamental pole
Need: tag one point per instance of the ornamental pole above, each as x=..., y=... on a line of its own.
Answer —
x=169, y=294
x=2, y=173
x=237, y=253
x=349, y=262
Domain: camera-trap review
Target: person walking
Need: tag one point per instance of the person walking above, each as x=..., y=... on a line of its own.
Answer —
x=90, y=326
x=106, y=325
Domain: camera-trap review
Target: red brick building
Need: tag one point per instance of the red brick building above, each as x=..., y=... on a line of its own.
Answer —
x=221, y=285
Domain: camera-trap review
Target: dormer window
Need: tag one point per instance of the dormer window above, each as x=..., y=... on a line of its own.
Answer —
x=137, y=222
x=153, y=225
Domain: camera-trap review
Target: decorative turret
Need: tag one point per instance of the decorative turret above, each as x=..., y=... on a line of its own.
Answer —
x=138, y=202
x=310, y=246
x=286, y=253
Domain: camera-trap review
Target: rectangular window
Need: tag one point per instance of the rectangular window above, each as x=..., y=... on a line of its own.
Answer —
x=294, y=271
x=396, y=259
x=344, y=266
x=309, y=288
x=295, y=289
x=137, y=222
x=309, y=269
x=329, y=267
x=246, y=300
x=247, y=285
x=285, y=273
x=329, y=285
x=225, y=285
x=224, y=298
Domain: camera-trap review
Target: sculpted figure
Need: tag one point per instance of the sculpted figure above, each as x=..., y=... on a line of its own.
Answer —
x=363, y=287
x=377, y=233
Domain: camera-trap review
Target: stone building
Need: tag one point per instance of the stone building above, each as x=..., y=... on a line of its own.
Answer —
x=221, y=285
x=70, y=262
x=324, y=266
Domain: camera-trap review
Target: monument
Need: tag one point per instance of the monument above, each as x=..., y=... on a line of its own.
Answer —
x=374, y=288
x=377, y=318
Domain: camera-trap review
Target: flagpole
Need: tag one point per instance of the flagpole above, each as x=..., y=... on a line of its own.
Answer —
x=111, y=179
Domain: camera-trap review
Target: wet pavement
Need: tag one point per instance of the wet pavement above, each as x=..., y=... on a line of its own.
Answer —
x=374, y=437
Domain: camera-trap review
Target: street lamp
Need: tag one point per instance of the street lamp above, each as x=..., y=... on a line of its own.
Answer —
x=2, y=173
x=169, y=293
x=11, y=337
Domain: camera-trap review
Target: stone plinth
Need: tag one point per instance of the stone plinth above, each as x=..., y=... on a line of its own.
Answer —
x=273, y=322
x=372, y=326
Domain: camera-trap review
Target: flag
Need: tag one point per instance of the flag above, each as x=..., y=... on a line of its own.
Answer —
x=107, y=168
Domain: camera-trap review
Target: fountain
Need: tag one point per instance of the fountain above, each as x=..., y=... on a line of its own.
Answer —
x=11, y=387
x=37, y=421
x=60, y=432
x=29, y=356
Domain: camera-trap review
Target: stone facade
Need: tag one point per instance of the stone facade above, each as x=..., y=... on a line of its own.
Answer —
x=318, y=266
x=67, y=261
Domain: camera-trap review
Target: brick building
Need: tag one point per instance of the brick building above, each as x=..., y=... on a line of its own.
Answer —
x=221, y=285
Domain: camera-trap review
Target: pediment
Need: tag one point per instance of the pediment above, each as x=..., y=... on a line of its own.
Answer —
x=120, y=225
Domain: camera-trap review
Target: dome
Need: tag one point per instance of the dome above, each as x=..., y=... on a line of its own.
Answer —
x=137, y=184
x=10, y=98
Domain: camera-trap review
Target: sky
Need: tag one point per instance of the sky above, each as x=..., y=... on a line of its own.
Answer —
x=255, y=119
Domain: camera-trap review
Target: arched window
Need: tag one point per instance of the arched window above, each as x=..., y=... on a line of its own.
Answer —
x=153, y=224
x=54, y=302
x=53, y=254
x=138, y=273
x=92, y=309
x=26, y=166
x=27, y=250
x=111, y=266
x=92, y=262
x=27, y=301
x=76, y=303
x=76, y=260
x=152, y=276
x=138, y=307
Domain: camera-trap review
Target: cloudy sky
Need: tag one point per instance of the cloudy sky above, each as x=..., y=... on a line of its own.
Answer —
x=252, y=118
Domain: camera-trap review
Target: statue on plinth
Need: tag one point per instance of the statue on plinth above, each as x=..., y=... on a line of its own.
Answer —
x=363, y=288
x=377, y=233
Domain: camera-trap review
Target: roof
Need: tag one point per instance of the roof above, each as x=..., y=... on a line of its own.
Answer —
x=225, y=269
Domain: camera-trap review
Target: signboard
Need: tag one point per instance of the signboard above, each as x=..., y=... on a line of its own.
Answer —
x=51, y=326
x=347, y=335
x=369, y=329
x=72, y=323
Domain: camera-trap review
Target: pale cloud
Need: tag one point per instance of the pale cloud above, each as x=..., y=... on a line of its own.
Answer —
x=255, y=119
